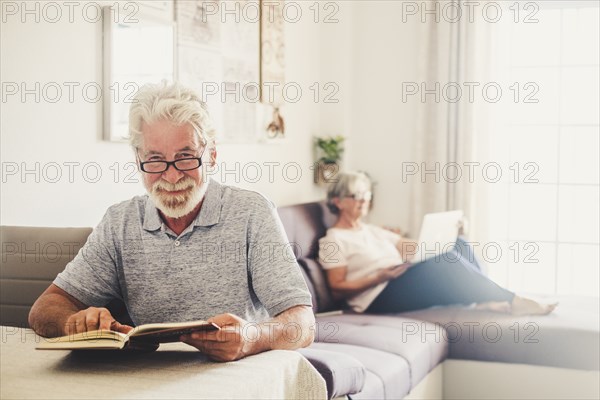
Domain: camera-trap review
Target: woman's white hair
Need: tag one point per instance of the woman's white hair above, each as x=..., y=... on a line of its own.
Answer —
x=172, y=102
x=345, y=184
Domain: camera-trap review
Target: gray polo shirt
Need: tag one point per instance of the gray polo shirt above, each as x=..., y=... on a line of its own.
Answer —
x=234, y=258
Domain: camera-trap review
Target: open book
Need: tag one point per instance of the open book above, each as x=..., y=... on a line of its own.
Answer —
x=146, y=337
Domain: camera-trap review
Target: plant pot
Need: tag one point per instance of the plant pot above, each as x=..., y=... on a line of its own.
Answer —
x=325, y=172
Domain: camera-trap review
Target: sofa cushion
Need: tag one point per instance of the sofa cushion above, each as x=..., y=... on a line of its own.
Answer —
x=311, y=289
x=303, y=226
x=31, y=259
x=328, y=218
x=387, y=374
x=318, y=280
x=343, y=373
x=395, y=335
x=569, y=337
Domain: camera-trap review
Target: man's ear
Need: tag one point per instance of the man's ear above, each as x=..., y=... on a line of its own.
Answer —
x=212, y=156
x=137, y=161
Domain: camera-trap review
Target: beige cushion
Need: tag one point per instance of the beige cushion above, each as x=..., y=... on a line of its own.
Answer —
x=31, y=258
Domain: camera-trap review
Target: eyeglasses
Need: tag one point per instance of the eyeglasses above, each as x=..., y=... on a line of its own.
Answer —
x=182, y=164
x=366, y=196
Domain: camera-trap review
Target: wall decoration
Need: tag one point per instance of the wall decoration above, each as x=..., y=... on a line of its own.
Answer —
x=272, y=65
x=130, y=46
x=227, y=57
x=277, y=126
x=272, y=51
x=218, y=56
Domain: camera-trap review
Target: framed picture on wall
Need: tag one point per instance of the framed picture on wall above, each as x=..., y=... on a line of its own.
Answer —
x=272, y=68
x=218, y=56
x=272, y=52
x=131, y=42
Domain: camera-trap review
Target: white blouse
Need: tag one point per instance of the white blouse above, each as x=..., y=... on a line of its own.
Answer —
x=362, y=251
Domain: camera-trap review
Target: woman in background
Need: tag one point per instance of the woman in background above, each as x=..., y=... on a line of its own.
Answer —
x=367, y=265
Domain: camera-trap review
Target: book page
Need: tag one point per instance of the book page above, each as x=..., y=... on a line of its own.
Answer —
x=103, y=334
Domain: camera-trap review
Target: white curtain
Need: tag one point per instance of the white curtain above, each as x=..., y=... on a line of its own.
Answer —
x=543, y=219
x=452, y=131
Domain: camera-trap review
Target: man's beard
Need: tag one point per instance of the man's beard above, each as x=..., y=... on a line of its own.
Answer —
x=180, y=204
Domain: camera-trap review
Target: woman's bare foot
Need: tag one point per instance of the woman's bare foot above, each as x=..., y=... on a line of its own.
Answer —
x=495, y=306
x=523, y=306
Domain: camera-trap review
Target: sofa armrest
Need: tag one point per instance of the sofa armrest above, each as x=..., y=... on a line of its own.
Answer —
x=343, y=374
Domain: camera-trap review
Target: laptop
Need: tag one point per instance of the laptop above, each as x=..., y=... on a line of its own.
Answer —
x=438, y=235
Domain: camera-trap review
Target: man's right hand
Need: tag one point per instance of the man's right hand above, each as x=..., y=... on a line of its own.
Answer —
x=91, y=319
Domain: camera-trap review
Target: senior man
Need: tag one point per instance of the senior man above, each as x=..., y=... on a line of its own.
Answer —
x=190, y=249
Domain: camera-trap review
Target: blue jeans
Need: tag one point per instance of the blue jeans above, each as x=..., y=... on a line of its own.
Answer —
x=452, y=278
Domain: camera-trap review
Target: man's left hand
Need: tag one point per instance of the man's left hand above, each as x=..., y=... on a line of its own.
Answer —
x=230, y=343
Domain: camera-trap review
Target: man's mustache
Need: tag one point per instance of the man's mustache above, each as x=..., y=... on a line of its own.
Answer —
x=164, y=186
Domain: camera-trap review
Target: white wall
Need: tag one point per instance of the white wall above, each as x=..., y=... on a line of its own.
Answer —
x=38, y=131
x=53, y=134
x=367, y=53
x=379, y=53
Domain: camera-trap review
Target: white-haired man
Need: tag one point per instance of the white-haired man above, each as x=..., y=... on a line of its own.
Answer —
x=191, y=249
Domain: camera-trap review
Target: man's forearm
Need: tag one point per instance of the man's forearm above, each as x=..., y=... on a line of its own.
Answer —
x=49, y=315
x=290, y=330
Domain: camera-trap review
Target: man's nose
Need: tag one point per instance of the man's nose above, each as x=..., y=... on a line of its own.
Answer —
x=172, y=174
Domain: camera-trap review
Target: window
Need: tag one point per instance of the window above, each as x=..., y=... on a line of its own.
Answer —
x=545, y=211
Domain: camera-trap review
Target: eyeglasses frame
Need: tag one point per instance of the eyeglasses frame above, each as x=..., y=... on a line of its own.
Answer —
x=169, y=163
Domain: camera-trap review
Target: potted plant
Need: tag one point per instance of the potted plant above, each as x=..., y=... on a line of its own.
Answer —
x=329, y=153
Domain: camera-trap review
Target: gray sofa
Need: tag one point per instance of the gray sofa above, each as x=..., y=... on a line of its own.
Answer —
x=448, y=352
x=400, y=351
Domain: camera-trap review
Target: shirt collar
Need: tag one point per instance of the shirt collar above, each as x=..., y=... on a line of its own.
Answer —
x=210, y=212
x=152, y=221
